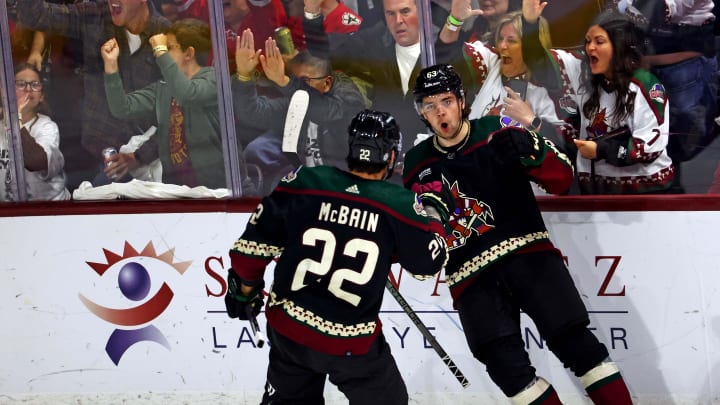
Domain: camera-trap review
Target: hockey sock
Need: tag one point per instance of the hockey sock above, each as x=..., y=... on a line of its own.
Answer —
x=605, y=385
x=539, y=392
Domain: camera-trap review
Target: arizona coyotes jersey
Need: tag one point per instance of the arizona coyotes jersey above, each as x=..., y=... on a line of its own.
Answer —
x=335, y=236
x=484, y=63
x=498, y=213
x=644, y=162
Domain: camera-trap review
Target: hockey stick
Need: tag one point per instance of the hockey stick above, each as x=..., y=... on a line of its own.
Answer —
x=259, y=338
x=428, y=336
x=296, y=111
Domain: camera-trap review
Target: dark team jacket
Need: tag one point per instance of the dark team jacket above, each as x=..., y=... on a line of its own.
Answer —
x=370, y=56
x=336, y=236
x=498, y=214
x=333, y=111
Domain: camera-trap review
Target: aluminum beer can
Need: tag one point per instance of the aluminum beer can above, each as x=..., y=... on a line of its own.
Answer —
x=107, y=152
x=284, y=40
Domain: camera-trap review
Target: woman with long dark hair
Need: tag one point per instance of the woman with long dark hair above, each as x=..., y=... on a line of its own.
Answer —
x=624, y=109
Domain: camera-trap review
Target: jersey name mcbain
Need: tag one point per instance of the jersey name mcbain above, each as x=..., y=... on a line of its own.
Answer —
x=345, y=215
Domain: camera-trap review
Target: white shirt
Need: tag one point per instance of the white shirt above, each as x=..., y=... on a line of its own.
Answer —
x=407, y=57
x=48, y=184
x=489, y=99
x=690, y=12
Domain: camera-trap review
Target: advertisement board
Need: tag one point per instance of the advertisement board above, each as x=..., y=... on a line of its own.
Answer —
x=129, y=307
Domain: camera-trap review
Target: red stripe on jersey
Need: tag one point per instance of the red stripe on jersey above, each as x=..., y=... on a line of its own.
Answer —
x=248, y=268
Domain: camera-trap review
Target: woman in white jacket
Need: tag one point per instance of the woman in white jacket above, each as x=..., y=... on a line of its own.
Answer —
x=40, y=139
x=624, y=109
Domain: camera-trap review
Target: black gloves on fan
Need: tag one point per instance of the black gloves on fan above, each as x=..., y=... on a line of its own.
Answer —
x=512, y=144
x=238, y=304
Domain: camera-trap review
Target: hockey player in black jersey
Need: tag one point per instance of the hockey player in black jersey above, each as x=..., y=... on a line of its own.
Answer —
x=501, y=258
x=336, y=234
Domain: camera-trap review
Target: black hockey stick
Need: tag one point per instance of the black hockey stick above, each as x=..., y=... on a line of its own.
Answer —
x=259, y=338
x=428, y=336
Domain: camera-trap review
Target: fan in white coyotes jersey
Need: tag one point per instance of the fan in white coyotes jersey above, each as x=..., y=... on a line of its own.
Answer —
x=490, y=71
x=624, y=109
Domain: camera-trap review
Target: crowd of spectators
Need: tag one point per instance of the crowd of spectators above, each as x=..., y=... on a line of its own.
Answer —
x=139, y=77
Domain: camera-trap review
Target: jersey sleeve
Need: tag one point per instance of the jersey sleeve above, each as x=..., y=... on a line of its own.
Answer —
x=421, y=247
x=262, y=240
x=48, y=137
x=555, y=172
x=647, y=134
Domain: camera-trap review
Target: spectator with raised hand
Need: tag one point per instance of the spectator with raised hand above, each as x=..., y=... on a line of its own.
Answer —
x=184, y=103
x=262, y=17
x=500, y=83
x=337, y=17
x=40, y=138
x=387, y=56
x=623, y=138
x=485, y=22
x=132, y=22
x=333, y=101
x=59, y=60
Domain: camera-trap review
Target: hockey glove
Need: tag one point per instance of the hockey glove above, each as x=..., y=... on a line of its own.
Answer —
x=237, y=303
x=434, y=195
x=615, y=146
x=439, y=204
x=511, y=144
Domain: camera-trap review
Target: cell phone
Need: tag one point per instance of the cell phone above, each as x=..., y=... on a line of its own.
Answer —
x=519, y=87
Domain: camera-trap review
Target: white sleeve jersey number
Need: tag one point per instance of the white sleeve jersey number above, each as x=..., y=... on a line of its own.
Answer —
x=256, y=214
x=435, y=246
x=314, y=235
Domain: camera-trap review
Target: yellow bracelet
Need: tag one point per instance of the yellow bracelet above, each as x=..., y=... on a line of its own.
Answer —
x=243, y=78
x=159, y=48
x=312, y=16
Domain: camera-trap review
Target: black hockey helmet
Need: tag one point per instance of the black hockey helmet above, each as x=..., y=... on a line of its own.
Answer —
x=373, y=134
x=437, y=79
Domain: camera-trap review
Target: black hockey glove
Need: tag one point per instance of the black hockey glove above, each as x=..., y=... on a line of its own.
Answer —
x=615, y=146
x=434, y=195
x=237, y=303
x=511, y=144
x=439, y=204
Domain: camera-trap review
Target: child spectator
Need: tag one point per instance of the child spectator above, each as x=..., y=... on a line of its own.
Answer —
x=40, y=139
x=184, y=103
